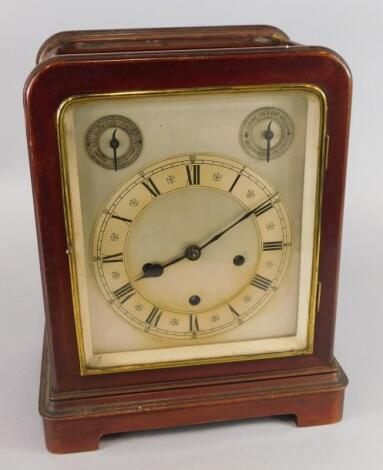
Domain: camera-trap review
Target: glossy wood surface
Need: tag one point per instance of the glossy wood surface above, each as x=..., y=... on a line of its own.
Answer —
x=157, y=39
x=231, y=62
x=312, y=396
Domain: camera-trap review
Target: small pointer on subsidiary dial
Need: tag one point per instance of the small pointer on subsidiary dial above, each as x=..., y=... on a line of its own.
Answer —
x=269, y=135
x=114, y=144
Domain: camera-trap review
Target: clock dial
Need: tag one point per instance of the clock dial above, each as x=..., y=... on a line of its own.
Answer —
x=114, y=142
x=230, y=250
x=267, y=132
x=192, y=247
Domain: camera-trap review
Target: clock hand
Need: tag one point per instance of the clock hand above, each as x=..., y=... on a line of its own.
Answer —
x=151, y=270
x=269, y=134
x=156, y=269
x=241, y=219
x=193, y=252
x=114, y=144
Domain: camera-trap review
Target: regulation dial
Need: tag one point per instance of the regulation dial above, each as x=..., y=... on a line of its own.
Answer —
x=267, y=133
x=114, y=142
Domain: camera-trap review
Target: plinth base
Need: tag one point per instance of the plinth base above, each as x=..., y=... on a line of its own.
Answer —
x=313, y=396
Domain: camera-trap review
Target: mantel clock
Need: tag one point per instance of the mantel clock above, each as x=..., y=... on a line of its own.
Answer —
x=188, y=186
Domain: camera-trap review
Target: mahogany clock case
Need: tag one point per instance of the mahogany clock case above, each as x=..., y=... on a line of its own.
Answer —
x=78, y=409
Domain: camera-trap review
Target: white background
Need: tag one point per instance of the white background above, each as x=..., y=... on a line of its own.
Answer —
x=352, y=28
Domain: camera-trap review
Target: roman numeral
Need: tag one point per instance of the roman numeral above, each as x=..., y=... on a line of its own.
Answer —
x=262, y=208
x=116, y=258
x=261, y=282
x=154, y=316
x=128, y=221
x=234, y=183
x=193, y=174
x=193, y=323
x=271, y=246
x=124, y=292
x=151, y=187
x=233, y=311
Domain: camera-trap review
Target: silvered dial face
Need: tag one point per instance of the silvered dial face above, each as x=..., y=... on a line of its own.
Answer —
x=192, y=224
x=191, y=246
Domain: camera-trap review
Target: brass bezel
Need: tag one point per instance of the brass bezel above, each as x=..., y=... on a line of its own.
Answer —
x=315, y=285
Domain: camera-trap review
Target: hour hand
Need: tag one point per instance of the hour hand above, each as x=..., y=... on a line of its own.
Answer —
x=151, y=270
x=192, y=253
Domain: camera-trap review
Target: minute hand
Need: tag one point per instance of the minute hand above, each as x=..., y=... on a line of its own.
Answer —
x=159, y=269
x=257, y=211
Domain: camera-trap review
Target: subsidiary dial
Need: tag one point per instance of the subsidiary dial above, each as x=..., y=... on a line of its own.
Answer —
x=267, y=133
x=114, y=142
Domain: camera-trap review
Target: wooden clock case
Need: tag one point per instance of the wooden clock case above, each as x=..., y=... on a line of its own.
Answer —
x=77, y=410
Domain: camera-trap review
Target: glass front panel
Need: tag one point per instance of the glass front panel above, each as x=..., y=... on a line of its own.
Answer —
x=192, y=221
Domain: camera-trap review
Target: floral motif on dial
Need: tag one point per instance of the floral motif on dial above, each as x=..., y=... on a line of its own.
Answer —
x=250, y=194
x=114, y=237
x=134, y=202
x=170, y=179
x=116, y=275
x=217, y=177
x=270, y=226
